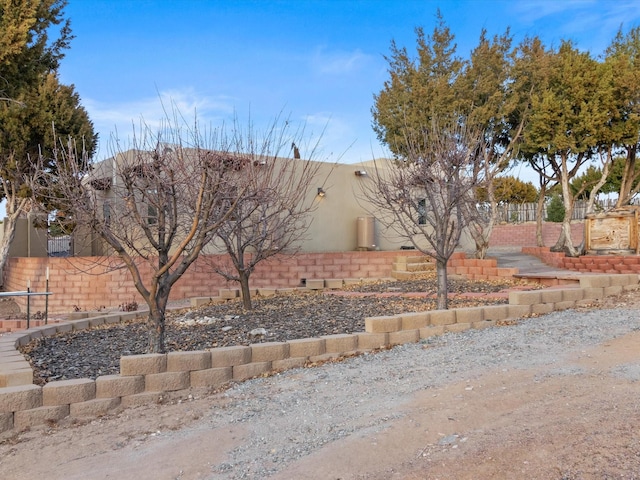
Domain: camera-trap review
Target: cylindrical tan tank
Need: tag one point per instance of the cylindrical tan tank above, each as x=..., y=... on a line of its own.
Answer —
x=366, y=233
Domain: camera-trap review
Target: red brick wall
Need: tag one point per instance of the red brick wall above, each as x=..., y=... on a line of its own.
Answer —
x=524, y=234
x=587, y=263
x=89, y=283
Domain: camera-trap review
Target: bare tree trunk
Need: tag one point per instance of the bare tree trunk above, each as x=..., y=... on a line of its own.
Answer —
x=442, y=302
x=627, y=178
x=244, y=289
x=606, y=166
x=539, y=215
x=480, y=230
x=565, y=242
x=156, y=331
x=157, y=311
x=9, y=234
x=14, y=208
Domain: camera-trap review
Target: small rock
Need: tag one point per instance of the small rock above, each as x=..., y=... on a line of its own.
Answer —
x=257, y=333
x=448, y=440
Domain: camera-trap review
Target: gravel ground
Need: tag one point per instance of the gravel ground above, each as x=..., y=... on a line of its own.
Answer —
x=282, y=317
x=265, y=427
x=370, y=384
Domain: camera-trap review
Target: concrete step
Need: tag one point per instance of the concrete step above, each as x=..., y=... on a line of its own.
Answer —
x=404, y=267
x=414, y=259
x=405, y=275
x=421, y=267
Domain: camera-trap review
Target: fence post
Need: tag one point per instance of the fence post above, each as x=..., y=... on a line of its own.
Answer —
x=28, y=303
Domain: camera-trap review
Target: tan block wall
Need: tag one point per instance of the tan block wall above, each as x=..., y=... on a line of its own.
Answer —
x=404, y=336
x=93, y=408
x=496, y=312
x=230, y=356
x=6, y=421
x=143, y=364
x=250, y=370
x=112, y=386
x=269, y=351
x=211, y=377
x=550, y=296
x=371, y=341
x=306, y=347
x=525, y=297
x=37, y=416
x=166, y=382
x=442, y=317
x=340, y=343
x=382, y=324
x=414, y=320
x=469, y=315
x=68, y=391
x=187, y=361
x=23, y=397
x=288, y=363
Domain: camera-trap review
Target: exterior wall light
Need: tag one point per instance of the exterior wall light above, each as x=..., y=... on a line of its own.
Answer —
x=321, y=192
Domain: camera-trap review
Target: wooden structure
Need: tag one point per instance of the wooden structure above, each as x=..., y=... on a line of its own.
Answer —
x=612, y=232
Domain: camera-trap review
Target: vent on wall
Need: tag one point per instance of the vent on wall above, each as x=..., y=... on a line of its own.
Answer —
x=366, y=233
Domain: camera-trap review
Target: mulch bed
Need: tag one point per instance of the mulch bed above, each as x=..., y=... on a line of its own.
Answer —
x=303, y=314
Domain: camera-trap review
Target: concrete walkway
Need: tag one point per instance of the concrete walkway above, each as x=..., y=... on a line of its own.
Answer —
x=528, y=265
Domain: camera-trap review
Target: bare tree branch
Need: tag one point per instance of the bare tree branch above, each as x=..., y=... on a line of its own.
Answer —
x=156, y=206
x=425, y=197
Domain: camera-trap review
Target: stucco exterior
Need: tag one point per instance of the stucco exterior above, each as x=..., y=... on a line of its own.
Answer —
x=334, y=223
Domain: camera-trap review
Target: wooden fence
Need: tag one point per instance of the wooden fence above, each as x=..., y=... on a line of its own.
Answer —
x=526, y=212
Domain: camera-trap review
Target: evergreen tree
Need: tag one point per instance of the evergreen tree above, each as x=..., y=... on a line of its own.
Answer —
x=33, y=37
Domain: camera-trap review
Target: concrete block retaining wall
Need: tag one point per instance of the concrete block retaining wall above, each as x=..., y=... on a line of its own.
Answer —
x=144, y=378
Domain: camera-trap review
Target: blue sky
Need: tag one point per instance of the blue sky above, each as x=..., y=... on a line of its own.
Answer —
x=317, y=62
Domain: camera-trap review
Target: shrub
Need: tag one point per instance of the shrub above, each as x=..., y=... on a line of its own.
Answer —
x=555, y=210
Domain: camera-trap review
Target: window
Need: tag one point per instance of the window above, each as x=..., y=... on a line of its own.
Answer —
x=422, y=212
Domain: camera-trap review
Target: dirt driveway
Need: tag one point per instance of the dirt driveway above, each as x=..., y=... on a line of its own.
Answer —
x=576, y=416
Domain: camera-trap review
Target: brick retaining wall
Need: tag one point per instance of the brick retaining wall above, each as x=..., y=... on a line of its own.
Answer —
x=145, y=378
x=587, y=263
x=89, y=283
x=524, y=234
x=67, y=299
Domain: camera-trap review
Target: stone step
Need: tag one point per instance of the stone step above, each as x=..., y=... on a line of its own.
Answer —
x=414, y=259
x=421, y=267
x=412, y=264
x=405, y=275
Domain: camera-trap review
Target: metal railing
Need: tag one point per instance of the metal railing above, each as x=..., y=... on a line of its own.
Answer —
x=28, y=293
x=60, y=246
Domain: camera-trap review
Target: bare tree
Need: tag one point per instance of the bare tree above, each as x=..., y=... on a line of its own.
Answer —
x=155, y=206
x=425, y=196
x=272, y=215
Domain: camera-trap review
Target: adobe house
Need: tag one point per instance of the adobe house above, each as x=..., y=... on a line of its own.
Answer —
x=342, y=220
